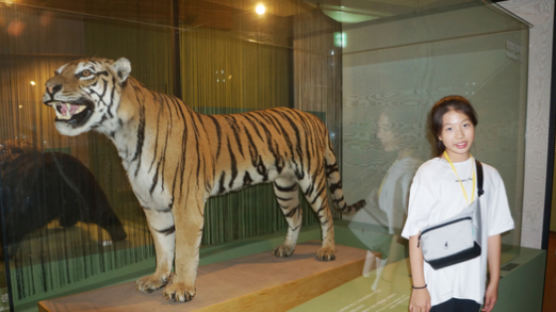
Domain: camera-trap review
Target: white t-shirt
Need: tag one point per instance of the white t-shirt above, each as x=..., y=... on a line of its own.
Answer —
x=436, y=196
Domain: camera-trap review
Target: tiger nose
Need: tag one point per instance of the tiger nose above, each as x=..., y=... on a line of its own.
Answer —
x=53, y=88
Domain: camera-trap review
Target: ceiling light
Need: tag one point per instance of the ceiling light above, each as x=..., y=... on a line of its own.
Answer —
x=260, y=9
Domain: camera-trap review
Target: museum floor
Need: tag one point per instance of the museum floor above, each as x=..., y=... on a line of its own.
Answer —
x=549, y=301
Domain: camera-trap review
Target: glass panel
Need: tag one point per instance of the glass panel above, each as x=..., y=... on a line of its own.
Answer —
x=219, y=56
x=69, y=214
x=391, y=82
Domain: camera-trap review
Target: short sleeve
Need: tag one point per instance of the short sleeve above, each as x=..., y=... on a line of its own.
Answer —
x=499, y=216
x=421, y=199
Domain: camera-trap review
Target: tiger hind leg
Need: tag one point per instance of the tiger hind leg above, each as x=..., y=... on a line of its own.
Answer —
x=314, y=190
x=288, y=201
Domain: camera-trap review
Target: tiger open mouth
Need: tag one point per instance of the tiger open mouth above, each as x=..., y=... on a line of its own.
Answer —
x=74, y=113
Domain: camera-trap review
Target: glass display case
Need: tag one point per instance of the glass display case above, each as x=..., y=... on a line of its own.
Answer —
x=390, y=81
x=369, y=69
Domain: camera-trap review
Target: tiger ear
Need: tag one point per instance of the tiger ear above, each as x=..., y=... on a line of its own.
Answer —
x=122, y=67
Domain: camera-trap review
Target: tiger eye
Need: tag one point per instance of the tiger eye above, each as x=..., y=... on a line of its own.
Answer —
x=86, y=73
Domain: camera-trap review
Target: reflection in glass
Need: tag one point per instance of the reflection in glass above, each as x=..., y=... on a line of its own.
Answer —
x=387, y=204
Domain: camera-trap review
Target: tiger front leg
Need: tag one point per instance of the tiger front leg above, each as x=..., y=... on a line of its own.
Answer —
x=189, y=231
x=161, y=226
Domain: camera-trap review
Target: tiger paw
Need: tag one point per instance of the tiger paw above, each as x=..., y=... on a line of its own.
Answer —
x=179, y=292
x=326, y=254
x=151, y=283
x=283, y=251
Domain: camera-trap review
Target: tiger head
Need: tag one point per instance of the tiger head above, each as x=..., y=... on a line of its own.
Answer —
x=86, y=94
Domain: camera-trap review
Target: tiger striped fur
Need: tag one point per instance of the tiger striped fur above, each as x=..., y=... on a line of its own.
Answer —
x=176, y=159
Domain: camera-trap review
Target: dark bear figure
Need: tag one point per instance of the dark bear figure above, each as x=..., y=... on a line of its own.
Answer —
x=38, y=187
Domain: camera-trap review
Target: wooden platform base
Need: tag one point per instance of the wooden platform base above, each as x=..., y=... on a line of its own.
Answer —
x=259, y=282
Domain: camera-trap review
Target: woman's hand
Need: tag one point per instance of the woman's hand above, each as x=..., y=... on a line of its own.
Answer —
x=420, y=301
x=491, y=296
x=494, y=251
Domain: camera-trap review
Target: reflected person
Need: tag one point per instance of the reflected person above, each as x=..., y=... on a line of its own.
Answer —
x=387, y=203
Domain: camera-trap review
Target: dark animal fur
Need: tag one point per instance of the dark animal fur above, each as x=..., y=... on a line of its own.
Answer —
x=37, y=188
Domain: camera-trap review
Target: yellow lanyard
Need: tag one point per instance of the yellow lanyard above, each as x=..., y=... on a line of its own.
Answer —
x=460, y=181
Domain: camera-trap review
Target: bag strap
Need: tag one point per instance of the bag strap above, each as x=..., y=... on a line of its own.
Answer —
x=479, y=166
x=480, y=191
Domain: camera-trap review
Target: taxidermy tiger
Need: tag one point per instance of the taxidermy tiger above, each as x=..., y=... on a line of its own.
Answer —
x=176, y=159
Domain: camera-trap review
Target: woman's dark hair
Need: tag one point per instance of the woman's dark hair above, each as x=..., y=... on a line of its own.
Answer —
x=444, y=105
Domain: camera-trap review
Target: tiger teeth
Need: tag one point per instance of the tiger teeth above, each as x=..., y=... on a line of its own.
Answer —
x=79, y=109
x=65, y=111
x=61, y=109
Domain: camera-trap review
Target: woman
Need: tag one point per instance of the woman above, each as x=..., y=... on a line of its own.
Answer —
x=442, y=188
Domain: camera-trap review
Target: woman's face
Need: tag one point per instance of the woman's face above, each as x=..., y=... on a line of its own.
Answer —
x=385, y=134
x=457, y=135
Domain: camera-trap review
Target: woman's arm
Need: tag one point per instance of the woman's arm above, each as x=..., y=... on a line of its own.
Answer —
x=420, y=299
x=494, y=250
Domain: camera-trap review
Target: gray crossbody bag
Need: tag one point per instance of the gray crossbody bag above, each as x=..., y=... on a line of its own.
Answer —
x=457, y=239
